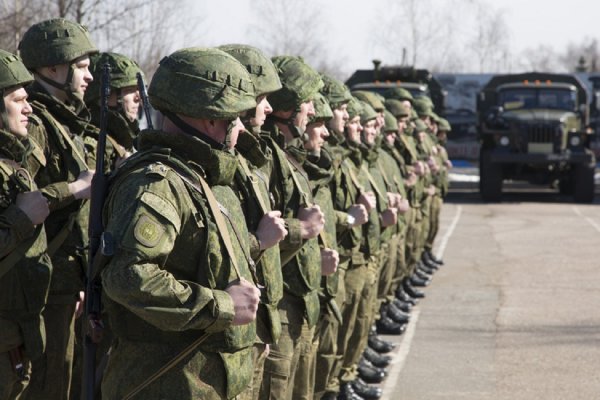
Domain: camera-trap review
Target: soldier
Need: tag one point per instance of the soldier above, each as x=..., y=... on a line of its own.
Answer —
x=57, y=52
x=287, y=368
x=179, y=291
x=25, y=267
x=319, y=168
x=266, y=226
x=350, y=213
x=123, y=102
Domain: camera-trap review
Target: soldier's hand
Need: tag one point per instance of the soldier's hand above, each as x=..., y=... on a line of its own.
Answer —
x=368, y=200
x=34, y=205
x=271, y=230
x=411, y=179
x=448, y=164
x=329, y=261
x=403, y=206
x=80, y=305
x=359, y=213
x=312, y=221
x=245, y=298
x=389, y=217
x=419, y=168
x=394, y=199
x=430, y=190
x=81, y=188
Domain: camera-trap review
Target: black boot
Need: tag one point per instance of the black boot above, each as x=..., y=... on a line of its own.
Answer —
x=366, y=391
x=424, y=268
x=397, y=315
x=405, y=297
x=428, y=262
x=418, y=282
x=402, y=305
x=380, y=345
x=376, y=359
x=385, y=326
x=411, y=291
x=347, y=392
x=433, y=258
x=370, y=373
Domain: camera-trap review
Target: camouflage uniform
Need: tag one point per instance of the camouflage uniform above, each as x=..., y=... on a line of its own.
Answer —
x=63, y=131
x=287, y=373
x=251, y=184
x=25, y=267
x=165, y=286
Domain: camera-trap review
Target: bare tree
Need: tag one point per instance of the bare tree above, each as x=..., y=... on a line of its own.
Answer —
x=490, y=43
x=588, y=49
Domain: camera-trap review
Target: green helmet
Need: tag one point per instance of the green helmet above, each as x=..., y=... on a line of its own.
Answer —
x=202, y=83
x=322, y=109
x=444, y=125
x=261, y=68
x=398, y=93
x=12, y=71
x=335, y=91
x=300, y=83
x=372, y=98
x=397, y=108
x=354, y=108
x=367, y=113
x=420, y=126
x=391, y=123
x=123, y=73
x=435, y=117
x=423, y=107
x=54, y=42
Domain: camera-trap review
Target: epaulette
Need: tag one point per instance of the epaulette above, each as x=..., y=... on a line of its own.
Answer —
x=158, y=169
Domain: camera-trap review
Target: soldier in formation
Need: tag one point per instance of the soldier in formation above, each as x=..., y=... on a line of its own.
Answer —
x=264, y=233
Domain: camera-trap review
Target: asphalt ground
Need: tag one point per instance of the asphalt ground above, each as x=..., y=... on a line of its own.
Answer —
x=514, y=312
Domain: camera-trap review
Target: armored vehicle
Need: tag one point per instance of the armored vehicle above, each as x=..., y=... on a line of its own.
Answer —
x=534, y=127
x=419, y=82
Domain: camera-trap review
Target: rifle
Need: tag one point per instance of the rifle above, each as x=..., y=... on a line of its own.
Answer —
x=100, y=249
x=144, y=96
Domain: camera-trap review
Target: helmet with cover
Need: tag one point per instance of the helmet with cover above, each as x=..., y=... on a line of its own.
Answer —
x=12, y=74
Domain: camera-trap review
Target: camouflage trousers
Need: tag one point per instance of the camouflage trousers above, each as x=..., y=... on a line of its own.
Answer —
x=287, y=370
x=259, y=355
x=60, y=343
x=425, y=226
x=387, y=271
x=401, y=271
x=434, y=226
x=361, y=292
x=413, y=233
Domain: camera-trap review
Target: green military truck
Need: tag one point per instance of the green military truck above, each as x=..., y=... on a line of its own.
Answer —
x=419, y=82
x=534, y=127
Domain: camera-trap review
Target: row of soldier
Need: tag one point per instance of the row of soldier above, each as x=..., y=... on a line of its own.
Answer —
x=264, y=234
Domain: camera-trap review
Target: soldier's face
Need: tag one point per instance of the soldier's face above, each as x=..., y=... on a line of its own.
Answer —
x=390, y=138
x=263, y=108
x=235, y=133
x=407, y=104
x=370, y=132
x=353, y=129
x=131, y=101
x=317, y=133
x=402, y=124
x=340, y=116
x=81, y=76
x=379, y=121
x=17, y=109
x=307, y=110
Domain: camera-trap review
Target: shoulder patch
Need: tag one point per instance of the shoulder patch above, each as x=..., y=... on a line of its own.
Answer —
x=162, y=208
x=148, y=231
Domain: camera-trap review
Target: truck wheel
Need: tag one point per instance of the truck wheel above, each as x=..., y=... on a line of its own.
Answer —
x=490, y=178
x=566, y=186
x=584, y=183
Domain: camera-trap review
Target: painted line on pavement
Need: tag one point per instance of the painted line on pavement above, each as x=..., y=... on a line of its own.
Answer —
x=588, y=219
x=397, y=363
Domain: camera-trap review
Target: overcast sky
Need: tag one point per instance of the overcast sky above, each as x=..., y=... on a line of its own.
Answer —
x=531, y=23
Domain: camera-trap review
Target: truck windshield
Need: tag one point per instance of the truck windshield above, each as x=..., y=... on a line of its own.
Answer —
x=528, y=98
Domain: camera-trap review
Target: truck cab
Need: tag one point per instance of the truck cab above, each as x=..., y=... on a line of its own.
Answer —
x=535, y=127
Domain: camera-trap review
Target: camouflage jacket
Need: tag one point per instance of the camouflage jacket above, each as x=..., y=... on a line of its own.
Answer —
x=253, y=155
x=24, y=280
x=165, y=285
x=68, y=150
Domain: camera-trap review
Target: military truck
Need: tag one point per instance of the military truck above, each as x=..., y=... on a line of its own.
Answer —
x=534, y=127
x=418, y=82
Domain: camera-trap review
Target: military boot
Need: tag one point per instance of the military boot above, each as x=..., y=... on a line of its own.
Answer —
x=405, y=297
x=379, y=345
x=370, y=373
x=378, y=360
x=385, y=326
x=396, y=314
x=428, y=262
x=402, y=305
x=418, y=282
x=411, y=291
x=433, y=258
x=347, y=392
x=366, y=391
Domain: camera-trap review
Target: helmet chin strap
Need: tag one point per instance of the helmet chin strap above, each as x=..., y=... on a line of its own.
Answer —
x=74, y=97
x=289, y=122
x=185, y=127
x=3, y=112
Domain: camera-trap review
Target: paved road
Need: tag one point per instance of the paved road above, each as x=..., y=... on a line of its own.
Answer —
x=515, y=312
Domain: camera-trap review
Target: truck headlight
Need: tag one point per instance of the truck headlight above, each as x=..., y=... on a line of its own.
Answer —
x=504, y=141
x=575, y=141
